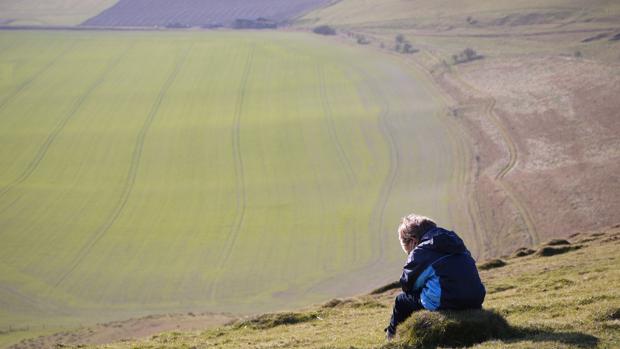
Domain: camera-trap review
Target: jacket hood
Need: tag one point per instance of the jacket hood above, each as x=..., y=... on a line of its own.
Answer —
x=443, y=241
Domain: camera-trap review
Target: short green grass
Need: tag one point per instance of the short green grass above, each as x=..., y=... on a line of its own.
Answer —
x=568, y=300
x=149, y=172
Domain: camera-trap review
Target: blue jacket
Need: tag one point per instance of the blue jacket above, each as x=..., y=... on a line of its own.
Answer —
x=442, y=272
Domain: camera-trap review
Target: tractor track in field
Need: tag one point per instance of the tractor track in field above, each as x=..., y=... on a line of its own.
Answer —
x=471, y=207
x=9, y=46
x=388, y=185
x=132, y=173
x=21, y=87
x=329, y=116
x=239, y=174
x=489, y=112
x=462, y=156
x=378, y=214
x=61, y=125
x=463, y=153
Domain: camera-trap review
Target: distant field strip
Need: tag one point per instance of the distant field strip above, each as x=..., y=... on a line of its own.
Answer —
x=160, y=172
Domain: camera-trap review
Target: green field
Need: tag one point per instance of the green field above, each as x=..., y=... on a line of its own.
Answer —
x=148, y=172
x=50, y=12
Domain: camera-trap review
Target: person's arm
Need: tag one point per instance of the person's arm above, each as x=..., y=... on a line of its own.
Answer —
x=416, y=263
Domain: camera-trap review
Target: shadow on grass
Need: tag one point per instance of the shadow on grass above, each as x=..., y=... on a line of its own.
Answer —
x=579, y=339
x=465, y=328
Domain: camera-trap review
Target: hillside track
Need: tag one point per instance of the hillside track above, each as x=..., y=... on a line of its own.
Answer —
x=241, y=199
x=132, y=173
x=377, y=219
x=21, y=87
x=461, y=147
x=32, y=166
x=333, y=134
x=464, y=170
x=519, y=204
x=378, y=214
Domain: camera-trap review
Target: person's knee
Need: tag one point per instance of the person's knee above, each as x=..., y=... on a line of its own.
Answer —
x=401, y=299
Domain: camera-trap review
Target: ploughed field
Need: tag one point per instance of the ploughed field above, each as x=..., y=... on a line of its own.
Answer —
x=199, y=13
x=243, y=172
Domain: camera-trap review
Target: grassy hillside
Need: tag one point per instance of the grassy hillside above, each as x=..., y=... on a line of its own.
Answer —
x=50, y=12
x=544, y=72
x=405, y=14
x=242, y=172
x=562, y=294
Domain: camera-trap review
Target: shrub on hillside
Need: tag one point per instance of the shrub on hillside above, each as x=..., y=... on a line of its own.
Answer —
x=403, y=45
x=259, y=23
x=467, y=55
x=362, y=40
x=453, y=328
x=324, y=30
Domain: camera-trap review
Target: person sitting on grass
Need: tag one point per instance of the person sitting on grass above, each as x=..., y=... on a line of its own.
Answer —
x=440, y=272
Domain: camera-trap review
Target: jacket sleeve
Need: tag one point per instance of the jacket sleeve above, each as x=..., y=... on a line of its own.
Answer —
x=416, y=263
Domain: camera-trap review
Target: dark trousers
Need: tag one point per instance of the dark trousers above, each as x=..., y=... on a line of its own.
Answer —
x=404, y=305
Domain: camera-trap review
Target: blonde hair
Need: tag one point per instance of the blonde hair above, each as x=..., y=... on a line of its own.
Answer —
x=413, y=226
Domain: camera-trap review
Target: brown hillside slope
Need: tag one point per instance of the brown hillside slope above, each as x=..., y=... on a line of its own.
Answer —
x=562, y=294
x=540, y=106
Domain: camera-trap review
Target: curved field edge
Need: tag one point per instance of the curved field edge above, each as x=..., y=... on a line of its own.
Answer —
x=151, y=215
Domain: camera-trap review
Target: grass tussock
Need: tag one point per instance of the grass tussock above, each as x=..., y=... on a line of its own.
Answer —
x=548, y=251
x=391, y=286
x=522, y=252
x=453, y=328
x=491, y=264
x=609, y=314
x=266, y=321
x=557, y=242
x=357, y=302
x=367, y=302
